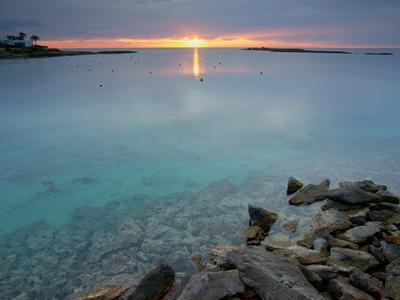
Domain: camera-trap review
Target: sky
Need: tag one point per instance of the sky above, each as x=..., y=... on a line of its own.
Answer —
x=205, y=23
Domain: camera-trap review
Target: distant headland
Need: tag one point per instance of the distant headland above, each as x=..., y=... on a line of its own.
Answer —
x=300, y=50
x=19, y=46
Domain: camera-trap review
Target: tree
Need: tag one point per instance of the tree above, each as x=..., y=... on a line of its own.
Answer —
x=21, y=36
x=35, y=38
x=11, y=37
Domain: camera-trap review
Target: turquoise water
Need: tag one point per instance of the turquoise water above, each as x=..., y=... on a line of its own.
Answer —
x=154, y=142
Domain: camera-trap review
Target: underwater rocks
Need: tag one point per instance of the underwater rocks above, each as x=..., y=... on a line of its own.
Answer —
x=261, y=221
x=310, y=193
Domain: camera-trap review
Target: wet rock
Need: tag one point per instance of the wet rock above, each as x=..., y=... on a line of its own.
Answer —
x=340, y=206
x=380, y=215
x=329, y=221
x=392, y=280
x=262, y=217
x=254, y=235
x=335, y=242
x=130, y=230
x=217, y=190
x=212, y=285
x=352, y=195
x=345, y=259
x=270, y=275
x=361, y=233
x=293, y=185
x=367, y=283
x=290, y=226
x=390, y=251
x=320, y=245
x=387, y=196
x=366, y=185
x=302, y=254
x=106, y=292
x=310, y=193
x=312, y=277
x=155, y=285
x=323, y=271
x=307, y=240
x=342, y=290
x=392, y=239
x=357, y=216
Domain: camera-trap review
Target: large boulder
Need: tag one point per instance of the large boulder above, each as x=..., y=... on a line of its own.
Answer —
x=387, y=196
x=262, y=218
x=367, y=283
x=352, y=195
x=155, y=285
x=342, y=290
x=335, y=242
x=361, y=233
x=366, y=185
x=110, y=291
x=390, y=251
x=293, y=185
x=392, y=280
x=310, y=193
x=212, y=285
x=346, y=259
x=328, y=221
x=271, y=275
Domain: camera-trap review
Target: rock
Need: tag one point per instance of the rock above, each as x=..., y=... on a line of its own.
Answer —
x=367, y=283
x=262, y=218
x=290, y=226
x=390, y=251
x=217, y=251
x=323, y=271
x=386, y=205
x=366, y=185
x=105, y=292
x=392, y=280
x=272, y=276
x=310, y=193
x=254, y=234
x=335, y=242
x=328, y=221
x=343, y=290
x=352, y=195
x=346, y=259
x=293, y=186
x=155, y=285
x=340, y=206
x=312, y=277
x=387, y=196
x=380, y=215
x=320, y=245
x=307, y=240
x=304, y=255
x=392, y=239
x=212, y=285
x=361, y=233
x=357, y=216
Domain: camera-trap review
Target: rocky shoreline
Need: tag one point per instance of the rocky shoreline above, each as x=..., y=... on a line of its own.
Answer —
x=40, y=52
x=300, y=50
x=351, y=250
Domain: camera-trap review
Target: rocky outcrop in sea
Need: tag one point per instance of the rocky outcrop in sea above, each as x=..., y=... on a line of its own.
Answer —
x=350, y=249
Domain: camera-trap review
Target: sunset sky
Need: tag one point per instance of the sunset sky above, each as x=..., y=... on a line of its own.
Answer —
x=205, y=23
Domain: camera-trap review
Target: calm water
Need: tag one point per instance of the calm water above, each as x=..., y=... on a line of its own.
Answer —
x=155, y=141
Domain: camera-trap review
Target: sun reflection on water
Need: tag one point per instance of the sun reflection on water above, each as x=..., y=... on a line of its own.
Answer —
x=196, y=63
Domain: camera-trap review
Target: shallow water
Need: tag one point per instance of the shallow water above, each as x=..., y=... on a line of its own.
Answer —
x=170, y=159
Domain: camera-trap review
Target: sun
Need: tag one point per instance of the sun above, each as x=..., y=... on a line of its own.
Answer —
x=195, y=42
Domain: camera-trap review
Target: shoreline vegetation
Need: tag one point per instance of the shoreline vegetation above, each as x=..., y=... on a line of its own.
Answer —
x=10, y=52
x=351, y=251
x=300, y=50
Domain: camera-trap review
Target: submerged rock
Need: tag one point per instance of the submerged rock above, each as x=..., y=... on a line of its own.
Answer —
x=262, y=217
x=290, y=226
x=346, y=259
x=310, y=193
x=155, y=285
x=342, y=290
x=352, y=195
x=212, y=285
x=271, y=275
x=293, y=185
x=367, y=283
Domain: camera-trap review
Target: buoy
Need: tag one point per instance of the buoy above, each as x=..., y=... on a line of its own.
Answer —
x=201, y=79
x=261, y=72
x=101, y=85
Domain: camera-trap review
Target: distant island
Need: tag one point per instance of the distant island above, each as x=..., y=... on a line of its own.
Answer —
x=297, y=50
x=300, y=50
x=19, y=47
